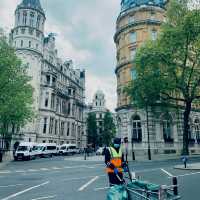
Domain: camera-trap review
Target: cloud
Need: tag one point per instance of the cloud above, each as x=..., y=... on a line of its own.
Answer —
x=85, y=30
x=107, y=84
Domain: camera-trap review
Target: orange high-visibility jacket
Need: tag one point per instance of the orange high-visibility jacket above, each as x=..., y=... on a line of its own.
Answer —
x=116, y=160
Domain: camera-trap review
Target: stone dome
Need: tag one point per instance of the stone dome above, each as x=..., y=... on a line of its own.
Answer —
x=34, y=4
x=126, y=4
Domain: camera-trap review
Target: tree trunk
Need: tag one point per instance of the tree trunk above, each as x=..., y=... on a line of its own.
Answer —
x=186, y=128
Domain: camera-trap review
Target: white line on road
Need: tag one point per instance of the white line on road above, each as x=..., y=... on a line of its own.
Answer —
x=24, y=191
x=5, y=186
x=56, y=168
x=5, y=172
x=32, y=170
x=44, y=169
x=189, y=174
x=103, y=188
x=88, y=183
x=20, y=171
x=166, y=172
x=80, y=178
x=49, y=197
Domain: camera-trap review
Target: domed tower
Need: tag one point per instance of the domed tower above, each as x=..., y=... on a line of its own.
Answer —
x=138, y=21
x=28, y=32
x=27, y=37
x=99, y=99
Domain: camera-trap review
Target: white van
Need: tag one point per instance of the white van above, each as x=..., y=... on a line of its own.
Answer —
x=25, y=151
x=47, y=149
x=38, y=149
x=68, y=149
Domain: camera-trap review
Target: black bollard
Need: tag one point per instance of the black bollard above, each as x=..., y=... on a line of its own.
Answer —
x=1, y=156
x=175, y=184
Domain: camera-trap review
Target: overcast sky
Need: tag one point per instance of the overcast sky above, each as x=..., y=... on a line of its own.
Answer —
x=85, y=30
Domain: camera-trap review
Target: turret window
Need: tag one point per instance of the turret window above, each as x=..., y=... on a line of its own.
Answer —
x=24, y=18
x=18, y=17
x=38, y=22
x=132, y=53
x=31, y=19
x=154, y=34
x=29, y=44
x=133, y=37
x=22, y=43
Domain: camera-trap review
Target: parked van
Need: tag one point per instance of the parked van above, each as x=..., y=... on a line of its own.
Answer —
x=25, y=151
x=48, y=149
x=68, y=149
x=38, y=149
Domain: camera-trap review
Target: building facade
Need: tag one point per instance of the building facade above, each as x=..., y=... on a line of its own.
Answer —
x=139, y=21
x=98, y=107
x=59, y=88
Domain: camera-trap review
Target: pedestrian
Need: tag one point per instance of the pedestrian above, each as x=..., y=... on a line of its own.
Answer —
x=114, y=160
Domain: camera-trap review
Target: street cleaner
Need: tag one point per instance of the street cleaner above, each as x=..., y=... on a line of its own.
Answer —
x=114, y=160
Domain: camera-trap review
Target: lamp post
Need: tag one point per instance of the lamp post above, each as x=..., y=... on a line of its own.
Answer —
x=133, y=153
x=149, y=147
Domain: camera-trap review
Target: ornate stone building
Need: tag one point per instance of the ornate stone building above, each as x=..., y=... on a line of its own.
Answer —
x=98, y=107
x=59, y=88
x=139, y=21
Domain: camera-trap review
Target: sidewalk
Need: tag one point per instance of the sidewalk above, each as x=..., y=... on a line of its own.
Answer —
x=7, y=158
x=194, y=166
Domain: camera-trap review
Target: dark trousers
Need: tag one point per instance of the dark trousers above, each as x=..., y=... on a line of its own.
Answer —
x=114, y=180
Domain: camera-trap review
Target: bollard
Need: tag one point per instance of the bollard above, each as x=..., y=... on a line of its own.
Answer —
x=85, y=153
x=175, y=184
x=162, y=195
x=1, y=156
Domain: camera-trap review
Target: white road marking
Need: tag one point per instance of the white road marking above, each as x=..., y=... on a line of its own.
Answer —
x=32, y=170
x=24, y=191
x=88, y=183
x=166, y=172
x=20, y=171
x=103, y=188
x=56, y=168
x=189, y=174
x=49, y=197
x=5, y=186
x=44, y=169
x=86, y=177
x=5, y=172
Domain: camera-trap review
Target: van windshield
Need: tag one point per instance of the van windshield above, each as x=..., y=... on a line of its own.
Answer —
x=37, y=148
x=22, y=148
x=63, y=148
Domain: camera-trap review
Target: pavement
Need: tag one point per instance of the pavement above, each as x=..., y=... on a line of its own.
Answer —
x=190, y=166
x=73, y=178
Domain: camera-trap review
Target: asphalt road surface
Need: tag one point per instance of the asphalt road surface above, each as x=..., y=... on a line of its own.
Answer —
x=62, y=178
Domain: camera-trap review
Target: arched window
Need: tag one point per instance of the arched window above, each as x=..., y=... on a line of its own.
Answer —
x=167, y=128
x=197, y=129
x=136, y=129
x=38, y=22
x=18, y=17
x=31, y=19
x=24, y=18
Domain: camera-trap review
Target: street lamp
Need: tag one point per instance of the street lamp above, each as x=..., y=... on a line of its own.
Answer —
x=149, y=147
x=133, y=153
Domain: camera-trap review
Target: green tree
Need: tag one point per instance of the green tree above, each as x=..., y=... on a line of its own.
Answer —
x=109, y=129
x=170, y=65
x=15, y=91
x=92, y=130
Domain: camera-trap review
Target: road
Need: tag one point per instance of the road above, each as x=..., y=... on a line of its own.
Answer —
x=63, y=178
